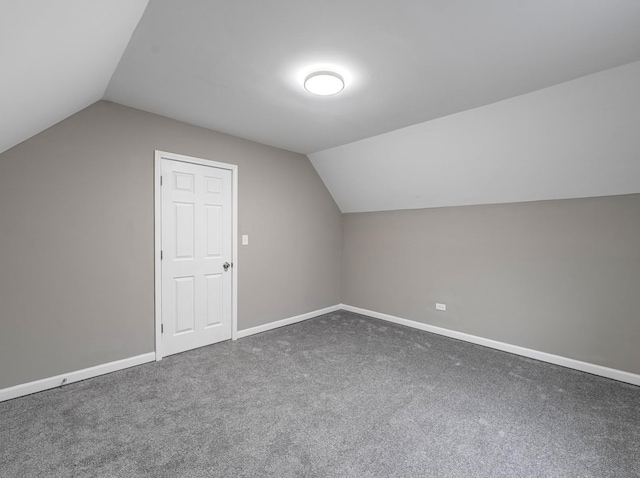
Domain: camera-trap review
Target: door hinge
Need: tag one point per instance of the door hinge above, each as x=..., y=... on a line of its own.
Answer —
x=162, y=328
x=161, y=255
x=160, y=180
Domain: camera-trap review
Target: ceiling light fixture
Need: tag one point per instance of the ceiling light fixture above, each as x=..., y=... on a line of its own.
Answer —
x=324, y=83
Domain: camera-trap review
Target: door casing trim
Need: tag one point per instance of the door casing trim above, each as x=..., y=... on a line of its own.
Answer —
x=157, y=201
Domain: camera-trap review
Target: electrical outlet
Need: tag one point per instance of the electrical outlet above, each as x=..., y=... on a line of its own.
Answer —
x=441, y=306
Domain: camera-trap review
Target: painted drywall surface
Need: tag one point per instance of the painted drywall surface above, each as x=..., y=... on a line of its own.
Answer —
x=556, y=276
x=57, y=58
x=404, y=61
x=577, y=139
x=76, y=229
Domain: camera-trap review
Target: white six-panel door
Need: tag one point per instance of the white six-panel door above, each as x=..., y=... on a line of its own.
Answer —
x=197, y=255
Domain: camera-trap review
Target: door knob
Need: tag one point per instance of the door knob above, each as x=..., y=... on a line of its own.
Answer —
x=226, y=266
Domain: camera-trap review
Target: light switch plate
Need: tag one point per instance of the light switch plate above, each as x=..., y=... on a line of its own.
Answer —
x=245, y=240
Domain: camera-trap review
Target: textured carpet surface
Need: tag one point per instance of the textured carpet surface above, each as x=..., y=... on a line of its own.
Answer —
x=340, y=395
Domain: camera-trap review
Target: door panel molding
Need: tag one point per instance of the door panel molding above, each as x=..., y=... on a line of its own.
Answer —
x=184, y=184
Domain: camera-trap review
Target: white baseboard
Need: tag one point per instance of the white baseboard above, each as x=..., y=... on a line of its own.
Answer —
x=52, y=382
x=78, y=375
x=594, y=369
x=289, y=321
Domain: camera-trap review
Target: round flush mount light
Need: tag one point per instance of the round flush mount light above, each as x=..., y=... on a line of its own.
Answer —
x=324, y=83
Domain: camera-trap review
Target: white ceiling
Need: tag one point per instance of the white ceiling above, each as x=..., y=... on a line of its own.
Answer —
x=234, y=66
x=57, y=58
x=576, y=139
x=462, y=72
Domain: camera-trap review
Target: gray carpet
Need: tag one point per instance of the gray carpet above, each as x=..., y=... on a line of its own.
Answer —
x=341, y=395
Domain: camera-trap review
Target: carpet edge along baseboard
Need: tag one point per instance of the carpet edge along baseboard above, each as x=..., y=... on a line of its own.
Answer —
x=75, y=376
x=78, y=375
x=47, y=383
x=567, y=362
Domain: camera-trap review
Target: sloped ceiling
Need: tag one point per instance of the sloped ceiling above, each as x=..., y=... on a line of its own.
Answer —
x=57, y=58
x=447, y=102
x=235, y=66
x=576, y=139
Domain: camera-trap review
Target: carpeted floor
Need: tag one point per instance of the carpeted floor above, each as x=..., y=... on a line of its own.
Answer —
x=340, y=395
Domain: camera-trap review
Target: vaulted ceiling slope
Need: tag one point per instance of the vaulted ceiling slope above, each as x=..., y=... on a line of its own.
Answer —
x=57, y=58
x=576, y=139
x=447, y=102
x=235, y=66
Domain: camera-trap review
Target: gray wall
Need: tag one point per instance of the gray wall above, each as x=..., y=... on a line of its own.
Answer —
x=556, y=276
x=76, y=238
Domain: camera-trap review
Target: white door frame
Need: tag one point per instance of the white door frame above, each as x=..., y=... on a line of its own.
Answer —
x=159, y=156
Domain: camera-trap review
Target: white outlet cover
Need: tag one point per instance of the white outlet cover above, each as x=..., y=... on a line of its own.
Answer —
x=441, y=306
x=245, y=240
